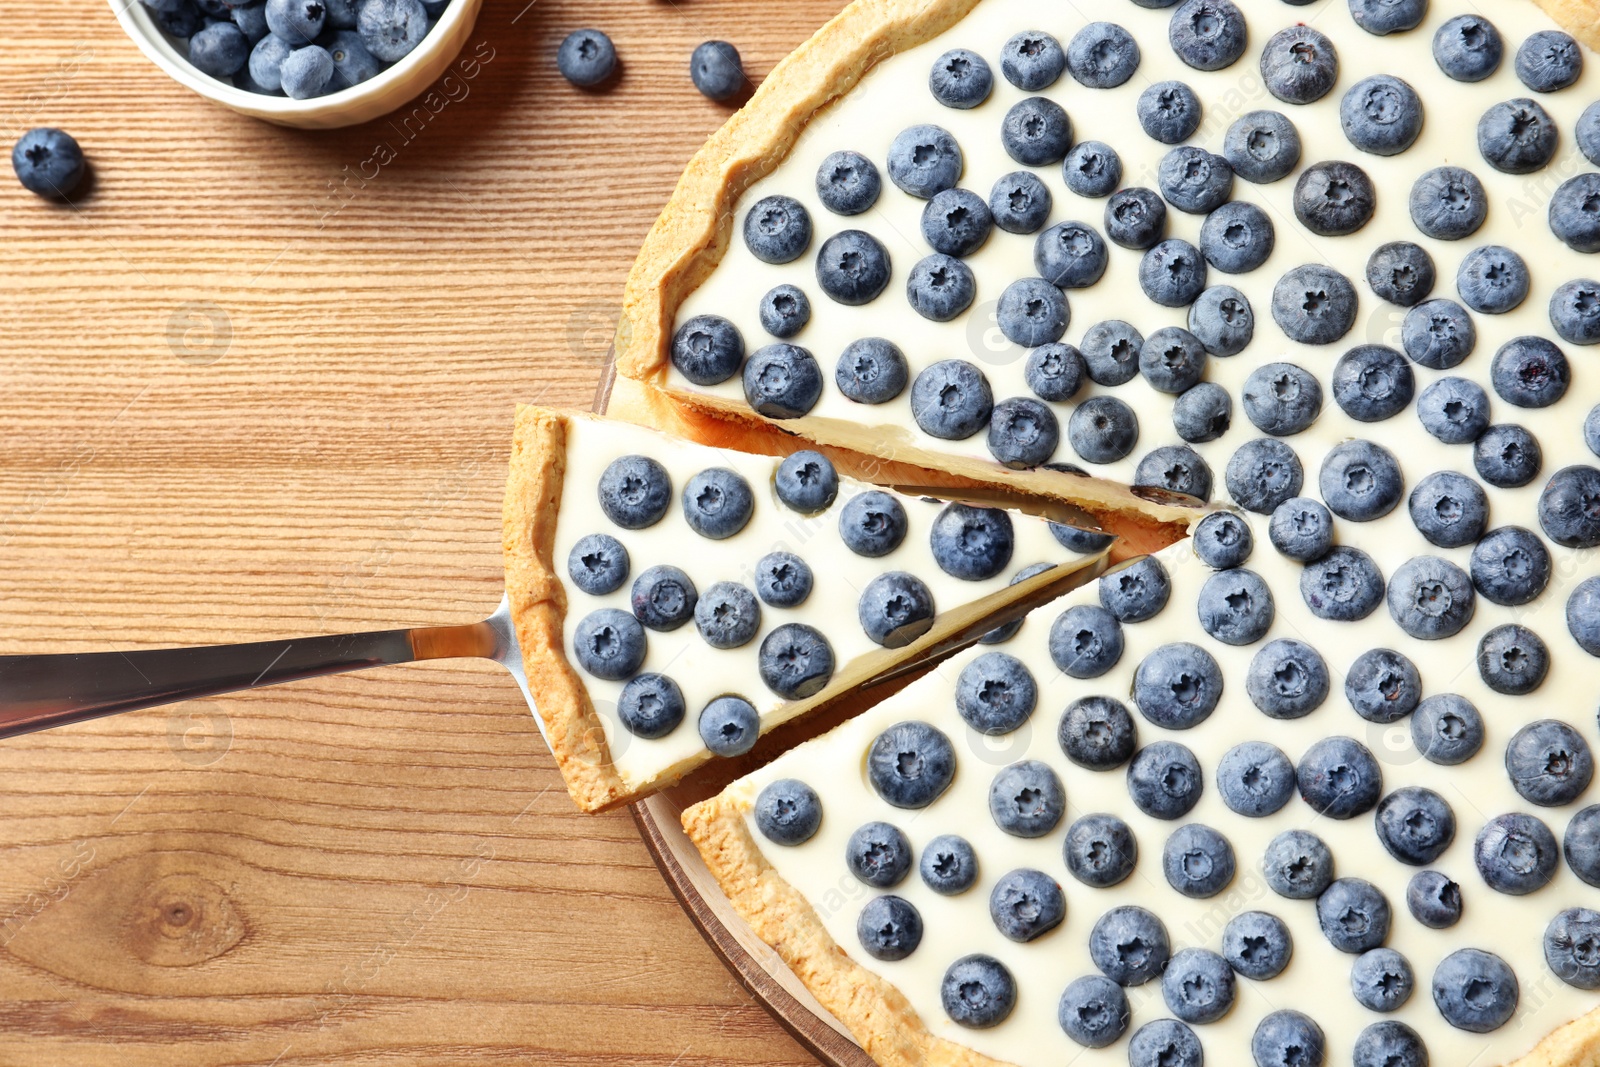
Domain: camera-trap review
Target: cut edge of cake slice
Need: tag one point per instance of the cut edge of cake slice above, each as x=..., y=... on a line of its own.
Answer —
x=539, y=603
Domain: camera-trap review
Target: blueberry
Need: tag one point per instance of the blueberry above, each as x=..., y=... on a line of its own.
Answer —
x=1023, y=433
x=1416, y=825
x=1431, y=598
x=1583, y=615
x=1569, y=507
x=1178, y=685
x=221, y=49
x=1169, y=111
x=1164, y=1043
x=1026, y=904
x=1262, y=146
x=663, y=597
x=1314, y=305
x=1507, y=456
x=889, y=928
x=1301, y=529
x=1582, y=845
x=806, y=482
x=1093, y=1011
x=872, y=370
x=951, y=400
x=1513, y=660
x=1493, y=280
x=1475, y=990
x=1172, y=273
x=795, y=661
x=609, y=644
x=1372, y=382
x=1100, y=850
x=1517, y=136
x=1080, y=540
x=1572, y=947
x=1164, y=780
x=1097, y=733
x=1237, y=238
x=1587, y=133
x=717, y=502
x=1135, y=218
x=396, y=25
x=1548, y=60
x=895, y=609
x=1510, y=566
x=1447, y=729
x=1468, y=48
x=1448, y=203
x=651, y=706
x=1207, y=34
x=1339, y=778
x=995, y=693
x=1027, y=799
x=960, y=79
x=782, y=381
x=1438, y=334
x=1299, y=65
x=1174, y=469
x=1383, y=686
x=1332, y=199
x=1381, y=980
x=872, y=523
x=925, y=160
x=343, y=14
x=1433, y=900
x=1032, y=60
x=1085, y=641
x=1092, y=169
x=956, y=222
x=1103, y=429
x=1193, y=180
x=848, y=183
x=586, y=58
x=1263, y=473
x=1198, y=984
x=978, y=992
x=1381, y=115
x=1111, y=352
x=187, y=20
x=1360, y=480
x=1236, y=607
x=1221, y=317
x=777, y=229
x=717, y=71
x=707, y=349
x=1054, y=371
x=1343, y=586
x=1353, y=915
x=1172, y=359
x=941, y=287
x=1202, y=413
x=635, y=492
x=1019, y=202
x=1036, y=132
x=911, y=764
x=1255, y=779
x=852, y=267
x=1287, y=679
x=1383, y=17
x=389, y=28
x=1455, y=410
x=1070, y=255
x=1516, y=854
x=727, y=615
x=352, y=63
x=949, y=865
x=1102, y=55
x=1575, y=212
x=788, y=812
x=1575, y=311
x=1285, y=1038
x=1401, y=272
x=878, y=854
x=1297, y=865
x=1257, y=945
x=1130, y=946
x=1137, y=591
x=598, y=564
x=1549, y=763
x=1281, y=398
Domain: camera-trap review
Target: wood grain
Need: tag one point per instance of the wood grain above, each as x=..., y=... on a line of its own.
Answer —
x=249, y=393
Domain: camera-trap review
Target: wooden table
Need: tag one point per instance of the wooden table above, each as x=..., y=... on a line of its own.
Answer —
x=256, y=386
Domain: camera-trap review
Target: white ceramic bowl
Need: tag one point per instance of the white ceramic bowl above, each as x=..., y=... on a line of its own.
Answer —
x=372, y=98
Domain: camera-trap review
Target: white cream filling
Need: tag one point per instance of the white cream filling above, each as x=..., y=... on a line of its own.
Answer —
x=704, y=672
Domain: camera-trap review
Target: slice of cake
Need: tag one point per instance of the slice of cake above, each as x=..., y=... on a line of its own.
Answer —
x=674, y=601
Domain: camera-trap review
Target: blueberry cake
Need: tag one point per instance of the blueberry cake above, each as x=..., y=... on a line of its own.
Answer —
x=1314, y=786
x=675, y=601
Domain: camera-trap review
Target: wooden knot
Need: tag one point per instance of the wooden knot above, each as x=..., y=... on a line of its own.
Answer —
x=180, y=920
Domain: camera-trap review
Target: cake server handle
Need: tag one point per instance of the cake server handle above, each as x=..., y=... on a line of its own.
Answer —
x=41, y=691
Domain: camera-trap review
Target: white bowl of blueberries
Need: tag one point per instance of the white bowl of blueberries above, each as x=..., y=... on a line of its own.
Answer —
x=315, y=64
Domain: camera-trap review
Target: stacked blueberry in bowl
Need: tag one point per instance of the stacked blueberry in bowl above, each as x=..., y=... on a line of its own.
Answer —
x=295, y=48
